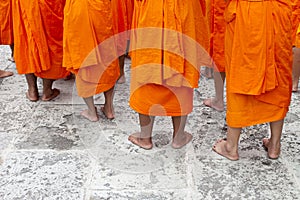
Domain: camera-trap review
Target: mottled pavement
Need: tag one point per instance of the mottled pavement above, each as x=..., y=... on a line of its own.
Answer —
x=48, y=151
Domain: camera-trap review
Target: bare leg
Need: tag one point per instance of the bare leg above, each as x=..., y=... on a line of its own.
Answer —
x=143, y=139
x=229, y=147
x=273, y=144
x=217, y=102
x=208, y=72
x=122, y=74
x=4, y=74
x=108, y=108
x=32, y=94
x=180, y=137
x=48, y=92
x=91, y=112
x=296, y=68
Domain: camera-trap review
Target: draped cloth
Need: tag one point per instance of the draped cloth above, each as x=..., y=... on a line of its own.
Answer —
x=295, y=20
x=6, y=25
x=217, y=33
x=169, y=44
x=122, y=18
x=38, y=33
x=89, y=46
x=258, y=61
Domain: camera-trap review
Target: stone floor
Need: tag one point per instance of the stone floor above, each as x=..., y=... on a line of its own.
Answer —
x=48, y=151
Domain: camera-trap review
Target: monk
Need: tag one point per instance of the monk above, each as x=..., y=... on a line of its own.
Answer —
x=122, y=17
x=166, y=37
x=296, y=50
x=38, y=27
x=6, y=28
x=258, y=71
x=90, y=52
x=217, y=34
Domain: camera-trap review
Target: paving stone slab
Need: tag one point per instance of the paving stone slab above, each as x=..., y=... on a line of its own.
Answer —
x=162, y=176
x=50, y=138
x=142, y=195
x=222, y=179
x=43, y=175
x=15, y=114
x=6, y=140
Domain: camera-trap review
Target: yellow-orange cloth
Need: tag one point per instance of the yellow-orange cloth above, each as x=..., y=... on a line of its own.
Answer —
x=6, y=25
x=295, y=18
x=122, y=17
x=217, y=35
x=169, y=42
x=296, y=22
x=297, y=42
x=89, y=46
x=38, y=33
x=258, y=61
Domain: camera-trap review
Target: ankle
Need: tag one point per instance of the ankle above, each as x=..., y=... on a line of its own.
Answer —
x=32, y=90
x=230, y=147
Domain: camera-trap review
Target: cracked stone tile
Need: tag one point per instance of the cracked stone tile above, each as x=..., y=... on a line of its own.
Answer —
x=15, y=84
x=141, y=195
x=6, y=139
x=51, y=115
x=5, y=54
x=290, y=152
x=50, y=138
x=222, y=179
x=14, y=112
x=43, y=175
x=161, y=175
x=112, y=147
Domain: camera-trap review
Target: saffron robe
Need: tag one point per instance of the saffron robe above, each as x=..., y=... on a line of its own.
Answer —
x=6, y=25
x=89, y=46
x=169, y=44
x=38, y=33
x=258, y=53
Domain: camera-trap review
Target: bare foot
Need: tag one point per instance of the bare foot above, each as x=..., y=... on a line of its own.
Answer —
x=32, y=96
x=48, y=97
x=11, y=59
x=217, y=105
x=121, y=80
x=273, y=150
x=108, y=113
x=295, y=86
x=4, y=74
x=181, y=140
x=92, y=116
x=221, y=149
x=145, y=143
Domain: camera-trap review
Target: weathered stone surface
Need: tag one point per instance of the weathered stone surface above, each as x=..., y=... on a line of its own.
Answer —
x=49, y=151
x=43, y=175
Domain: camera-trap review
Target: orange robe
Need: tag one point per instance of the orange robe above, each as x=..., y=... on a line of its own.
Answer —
x=6, y=25
x=258, y=61
x=122, y=18
x=217, y=34
x=296, y=23
x=89, y=48
x=295, y=18
x=169, y=43
x=38, y=28
x=297, y=39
